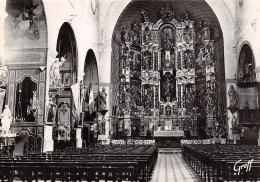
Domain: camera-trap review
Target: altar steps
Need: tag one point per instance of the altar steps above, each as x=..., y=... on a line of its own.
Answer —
x=169, y=150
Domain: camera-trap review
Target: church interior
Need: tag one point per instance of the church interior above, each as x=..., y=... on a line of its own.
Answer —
x=129, y=90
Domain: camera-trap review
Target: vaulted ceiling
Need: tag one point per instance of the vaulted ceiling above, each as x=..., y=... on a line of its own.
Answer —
x=198, y=10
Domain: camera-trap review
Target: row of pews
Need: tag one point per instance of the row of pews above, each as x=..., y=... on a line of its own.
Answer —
x=224, y=162
x=107, y=163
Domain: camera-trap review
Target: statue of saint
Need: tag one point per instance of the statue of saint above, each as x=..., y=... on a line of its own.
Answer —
x=6, y=119
x=167, y=86
x=52, y=109
x=205, y=31
x=232, y=96
x=55, y=78
x=167, y=39
x=103, y=97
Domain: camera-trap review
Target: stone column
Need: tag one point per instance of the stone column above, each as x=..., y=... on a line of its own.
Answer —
x=48, y=143
x=78, y=137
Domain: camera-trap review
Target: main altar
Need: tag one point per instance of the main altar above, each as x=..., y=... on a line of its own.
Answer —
x=167, y=76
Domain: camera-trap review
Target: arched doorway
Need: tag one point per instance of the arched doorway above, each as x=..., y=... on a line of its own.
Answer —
x=63, y=74
x=90, y=82
x=171, y=69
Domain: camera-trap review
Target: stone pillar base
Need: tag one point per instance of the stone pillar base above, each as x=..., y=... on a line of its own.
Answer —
x=78, y=137
x=79, y=143
x=48, y=143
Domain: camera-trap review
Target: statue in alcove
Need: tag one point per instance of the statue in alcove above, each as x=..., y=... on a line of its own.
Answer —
x=188, y=59
x=135, y=28
x=128, y=100
x=147, y=35
x=187, y=35
x=103, y=97
x=167, y=40
x=126, y=34
x=148, y=98
x=168, y=110
x=232, y=96
x=205, y=31
x=147, y=61
x=6, y=117
x=27, y=104
x=55, y=79
x=167, y=86
x=52, y=109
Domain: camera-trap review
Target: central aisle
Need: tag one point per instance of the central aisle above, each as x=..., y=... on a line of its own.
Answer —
x=172, y=168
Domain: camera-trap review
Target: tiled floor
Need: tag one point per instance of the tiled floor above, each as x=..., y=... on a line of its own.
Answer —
x=172, y=168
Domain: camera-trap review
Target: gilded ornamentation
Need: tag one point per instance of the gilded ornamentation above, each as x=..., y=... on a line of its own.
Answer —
x=145, y=16
x=167, y=56
x=166, y=13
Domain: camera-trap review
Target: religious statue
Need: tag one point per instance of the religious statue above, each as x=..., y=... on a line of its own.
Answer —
x=128, y=100
x=126, y=34
x=168, y=110
x=135, y=28
x=167, y=86
x=6, y=119
x=147, y=35
x=232, y=96
x=52, y=109
x=205, y=31
x=167, y=39
x=145, y=16
x=103, y=97
x=147, y=60
x=55, y=79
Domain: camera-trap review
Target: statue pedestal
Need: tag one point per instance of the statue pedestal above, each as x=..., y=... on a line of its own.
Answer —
x=48, y=143
x=78, y=137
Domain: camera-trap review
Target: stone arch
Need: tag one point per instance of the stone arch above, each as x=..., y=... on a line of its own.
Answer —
x=90, y=79
x=90, y=68
x=90, y=82
x=221, y=10
x=246, y=63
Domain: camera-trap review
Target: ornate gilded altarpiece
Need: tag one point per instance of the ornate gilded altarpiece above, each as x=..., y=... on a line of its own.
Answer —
x=167, y=74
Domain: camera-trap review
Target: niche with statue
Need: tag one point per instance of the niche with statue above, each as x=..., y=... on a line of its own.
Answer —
x=26, y=103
